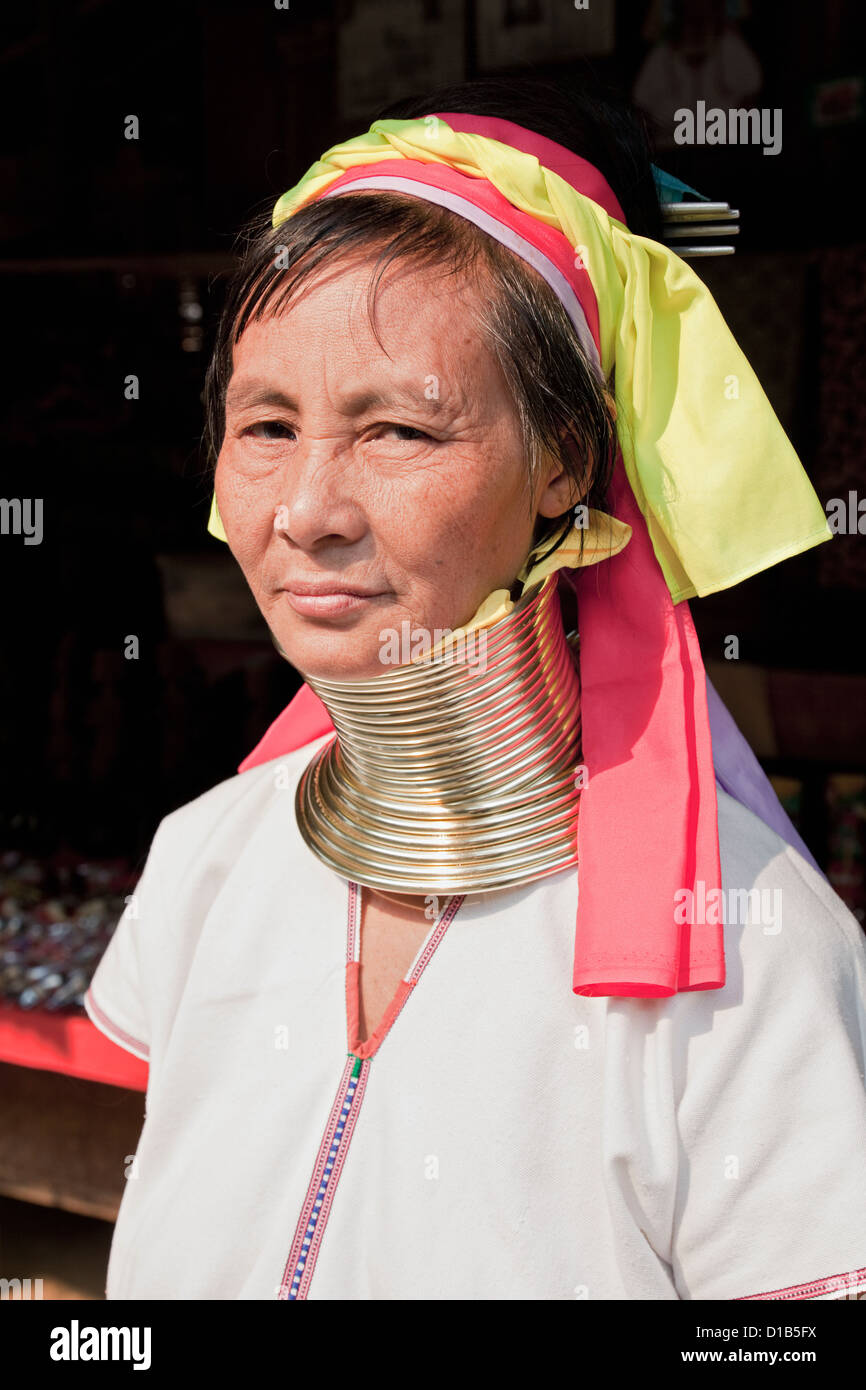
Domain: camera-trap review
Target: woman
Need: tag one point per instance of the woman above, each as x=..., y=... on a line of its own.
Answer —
x=462, y=406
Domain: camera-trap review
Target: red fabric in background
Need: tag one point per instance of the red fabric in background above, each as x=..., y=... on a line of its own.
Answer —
x=66, y=1043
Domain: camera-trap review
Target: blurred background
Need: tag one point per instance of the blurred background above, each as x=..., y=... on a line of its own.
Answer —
x=136, y=671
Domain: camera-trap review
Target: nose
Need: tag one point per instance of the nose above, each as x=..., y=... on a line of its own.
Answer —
x=316, y=504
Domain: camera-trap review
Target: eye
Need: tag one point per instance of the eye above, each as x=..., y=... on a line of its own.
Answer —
x=407, y=432
x=269, y=430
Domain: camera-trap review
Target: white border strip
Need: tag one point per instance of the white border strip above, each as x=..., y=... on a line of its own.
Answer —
x=111, y=1030
x=516, y=243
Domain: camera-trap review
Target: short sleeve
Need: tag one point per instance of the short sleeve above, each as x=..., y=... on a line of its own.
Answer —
x=771, y=1190
x=116, y=1001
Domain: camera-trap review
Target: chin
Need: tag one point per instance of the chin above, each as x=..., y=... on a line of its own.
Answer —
x=333, y=656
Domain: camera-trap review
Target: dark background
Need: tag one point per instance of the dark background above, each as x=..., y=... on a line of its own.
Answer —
x=113, y=254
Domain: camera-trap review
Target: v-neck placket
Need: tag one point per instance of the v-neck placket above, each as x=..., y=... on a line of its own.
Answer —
x=441, y=921
x=343, y=1116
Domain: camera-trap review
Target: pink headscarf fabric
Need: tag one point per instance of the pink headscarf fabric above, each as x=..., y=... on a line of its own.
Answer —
x=647, y=824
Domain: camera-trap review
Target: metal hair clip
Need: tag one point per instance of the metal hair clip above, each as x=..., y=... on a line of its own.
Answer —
x=689, y=220
x=686, y=224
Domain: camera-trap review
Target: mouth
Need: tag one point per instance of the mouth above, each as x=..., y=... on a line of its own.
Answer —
x=325, y=600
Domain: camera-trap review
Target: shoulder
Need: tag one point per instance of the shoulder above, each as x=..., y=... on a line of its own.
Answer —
x=792, y=1010
x=777, y=907
x=795, y=973
x=244, y=828
x=233, y=810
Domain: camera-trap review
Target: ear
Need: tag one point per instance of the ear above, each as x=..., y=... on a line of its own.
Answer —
x=560, y=489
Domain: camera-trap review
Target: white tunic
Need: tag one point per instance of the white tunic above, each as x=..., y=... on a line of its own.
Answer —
x=506, y=1139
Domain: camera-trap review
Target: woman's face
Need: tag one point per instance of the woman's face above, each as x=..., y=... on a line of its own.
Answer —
x=365, y=484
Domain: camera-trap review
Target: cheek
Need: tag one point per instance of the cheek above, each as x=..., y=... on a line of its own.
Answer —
x=464, y=533
x=248, y=511
x=481, y=500
x=241, y=489
x=429, y=517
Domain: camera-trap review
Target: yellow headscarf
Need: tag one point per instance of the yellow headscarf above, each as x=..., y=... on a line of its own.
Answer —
x=686, y=396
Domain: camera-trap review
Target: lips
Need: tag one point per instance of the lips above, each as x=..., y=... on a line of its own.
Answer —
x=324, y=598
x=327, y=587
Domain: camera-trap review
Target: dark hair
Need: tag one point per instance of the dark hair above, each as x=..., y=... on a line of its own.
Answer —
x=584, y=114
x=563, y=408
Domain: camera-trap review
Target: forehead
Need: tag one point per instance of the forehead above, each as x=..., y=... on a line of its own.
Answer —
x=350, y=312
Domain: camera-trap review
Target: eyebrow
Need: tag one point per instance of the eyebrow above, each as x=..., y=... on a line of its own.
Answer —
x=258, y=393
x=262, y=392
